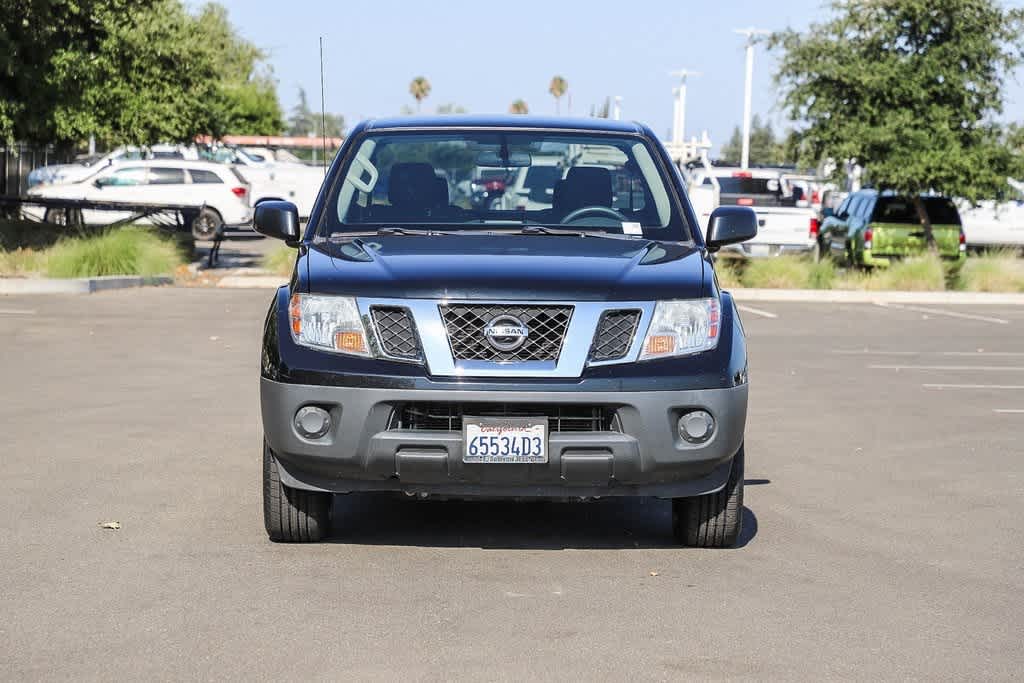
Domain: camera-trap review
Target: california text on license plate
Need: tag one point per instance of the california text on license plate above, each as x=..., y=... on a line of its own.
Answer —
x=505, y=439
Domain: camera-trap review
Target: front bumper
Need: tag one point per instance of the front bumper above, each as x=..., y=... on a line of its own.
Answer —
x=645, y=457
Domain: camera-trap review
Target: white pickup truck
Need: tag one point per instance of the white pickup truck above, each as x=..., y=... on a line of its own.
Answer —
x=996, y=223
x=782, y=226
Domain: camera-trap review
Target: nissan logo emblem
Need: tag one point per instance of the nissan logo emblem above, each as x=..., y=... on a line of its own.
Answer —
x=506, y=333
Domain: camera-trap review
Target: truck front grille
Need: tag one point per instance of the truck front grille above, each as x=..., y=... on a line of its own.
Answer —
x=466, y=324
x=614, y=335
x=396, y=332
x=447, y=417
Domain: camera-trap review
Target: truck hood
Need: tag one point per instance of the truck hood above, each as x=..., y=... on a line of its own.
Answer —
x=530, y=267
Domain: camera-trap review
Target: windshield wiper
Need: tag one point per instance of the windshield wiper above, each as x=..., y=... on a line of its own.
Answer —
x=395, y=230
x=545, y=230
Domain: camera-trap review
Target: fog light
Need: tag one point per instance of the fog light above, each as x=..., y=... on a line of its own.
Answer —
x=696, y=426
x=312, y=422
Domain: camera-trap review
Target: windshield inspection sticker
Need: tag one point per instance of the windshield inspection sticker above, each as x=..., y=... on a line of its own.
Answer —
x=632, y=229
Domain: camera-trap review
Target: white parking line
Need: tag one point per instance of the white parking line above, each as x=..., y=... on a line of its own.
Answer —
x=1008, y=411
x=954, y=368
x=1001, y=387
x=16, y=311
x=757, y=311
x=875, y=352
x=951, y=314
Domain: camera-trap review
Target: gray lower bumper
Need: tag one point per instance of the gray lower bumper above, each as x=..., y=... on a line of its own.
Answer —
x=646, y=458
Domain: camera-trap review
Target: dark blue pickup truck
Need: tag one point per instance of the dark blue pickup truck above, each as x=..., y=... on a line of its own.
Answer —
x=569, y=341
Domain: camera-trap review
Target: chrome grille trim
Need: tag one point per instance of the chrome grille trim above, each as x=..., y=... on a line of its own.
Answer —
x=571, y=362
x=465, y=324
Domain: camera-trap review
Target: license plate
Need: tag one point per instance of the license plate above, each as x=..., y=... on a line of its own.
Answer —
x=759, y=249
x=505, y=439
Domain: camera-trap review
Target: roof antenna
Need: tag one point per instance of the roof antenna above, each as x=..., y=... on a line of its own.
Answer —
x=323, y=105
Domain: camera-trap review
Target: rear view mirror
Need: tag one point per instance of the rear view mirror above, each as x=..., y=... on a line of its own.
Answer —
x=730, y=225
x=277, y=219
x=491, y=159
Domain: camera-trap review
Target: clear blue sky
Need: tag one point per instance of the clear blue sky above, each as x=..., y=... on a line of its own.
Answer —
x=484, y=55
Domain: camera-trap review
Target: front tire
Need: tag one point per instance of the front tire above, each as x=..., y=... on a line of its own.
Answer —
x=713, y=520
x=206, y=224
x=292, y=515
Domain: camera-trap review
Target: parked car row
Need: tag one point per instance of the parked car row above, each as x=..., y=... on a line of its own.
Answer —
x=226, y=186
x=219, y=193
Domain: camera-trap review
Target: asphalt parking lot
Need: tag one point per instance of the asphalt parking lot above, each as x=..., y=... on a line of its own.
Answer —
x=883, y=532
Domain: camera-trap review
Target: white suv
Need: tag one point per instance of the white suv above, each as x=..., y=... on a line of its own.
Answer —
x=219, y=195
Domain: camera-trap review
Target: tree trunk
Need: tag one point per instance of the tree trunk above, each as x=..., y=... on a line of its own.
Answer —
x=926, y=224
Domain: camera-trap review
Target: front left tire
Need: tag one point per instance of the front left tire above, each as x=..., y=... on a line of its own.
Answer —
x=292, y=515
x=714, y=520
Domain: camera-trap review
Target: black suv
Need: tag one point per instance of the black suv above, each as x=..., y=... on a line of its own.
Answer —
x=430, y=345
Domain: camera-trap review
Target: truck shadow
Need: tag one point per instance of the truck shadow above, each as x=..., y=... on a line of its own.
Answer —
x=626, y=523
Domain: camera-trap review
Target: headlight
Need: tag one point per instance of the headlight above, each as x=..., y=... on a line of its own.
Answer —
x=680, y=328
x=329, y=323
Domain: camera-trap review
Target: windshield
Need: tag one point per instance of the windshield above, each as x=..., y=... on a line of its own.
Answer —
x=445, y=181
x=941, y=211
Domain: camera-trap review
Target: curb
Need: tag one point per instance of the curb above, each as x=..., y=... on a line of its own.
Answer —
x=839, y=296
x=85, y=285
x=252, y=282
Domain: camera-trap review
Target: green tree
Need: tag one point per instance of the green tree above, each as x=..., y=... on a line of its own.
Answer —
x=519, y=107
x=248, y=91
x=909, y=89
x=558, y=87
x=765, y=148
x=419, y=88
x=127, y=71
x=304, y=121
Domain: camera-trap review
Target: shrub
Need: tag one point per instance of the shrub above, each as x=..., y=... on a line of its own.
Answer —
x=999, y=271
x=728, y=271
x=918, y=274
x=20, y=262
x=788, y=272
x=123, y=251
x=280, y=261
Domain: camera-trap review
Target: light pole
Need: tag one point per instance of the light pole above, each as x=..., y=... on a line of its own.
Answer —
x=752, y=35
x=679, y=110
x=617, y=107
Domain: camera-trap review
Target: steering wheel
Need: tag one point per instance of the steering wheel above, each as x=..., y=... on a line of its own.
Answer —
x=605, y=211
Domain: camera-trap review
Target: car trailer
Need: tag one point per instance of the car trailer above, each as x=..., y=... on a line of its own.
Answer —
x=174, y=217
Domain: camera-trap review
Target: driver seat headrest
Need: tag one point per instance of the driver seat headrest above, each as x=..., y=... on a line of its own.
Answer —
x=583, y=186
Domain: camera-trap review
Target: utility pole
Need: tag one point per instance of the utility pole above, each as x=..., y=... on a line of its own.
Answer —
x=752, y=36
x=679, y=110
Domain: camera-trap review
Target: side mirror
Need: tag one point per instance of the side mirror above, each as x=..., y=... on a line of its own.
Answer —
x=828, y=212
x=277, y=219
x=730, y=225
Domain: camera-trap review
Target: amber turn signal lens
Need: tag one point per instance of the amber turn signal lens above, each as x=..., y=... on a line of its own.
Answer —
x=295, y=313
x=660, y=344
x=350, y=341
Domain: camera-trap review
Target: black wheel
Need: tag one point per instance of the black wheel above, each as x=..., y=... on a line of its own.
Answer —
x=206, y=224
x=71, y=218
x=292, y=515
x=713, y=520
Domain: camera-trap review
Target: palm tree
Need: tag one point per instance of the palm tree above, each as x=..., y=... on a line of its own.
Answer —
x=419, y=88
x=518, y=107
x=557, y=88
